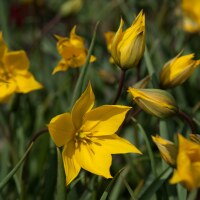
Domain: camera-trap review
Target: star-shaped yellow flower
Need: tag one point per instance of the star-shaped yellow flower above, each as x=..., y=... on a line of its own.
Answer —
x=14, y=74
x=188, y=164
x=88, y=136
x=72, y=50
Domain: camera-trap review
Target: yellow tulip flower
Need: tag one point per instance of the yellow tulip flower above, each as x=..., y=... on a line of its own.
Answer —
x=14, y=74
x=88, y=136
x=72, y=50
x=191, y=15
x=188, y=164
x=128, y=46
x=167, y=149
x=178, y=70
x=154, y=101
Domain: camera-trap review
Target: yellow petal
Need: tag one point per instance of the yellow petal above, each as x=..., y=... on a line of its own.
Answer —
x=7, y=89
x=116, y=145
x=61, y=129
x=183, y=174
x=71, y=166
x=109, y=38
x=104, y=120
x=188, y=164
x=26, y=83
x=16, y=60
x=82, y=105
x=62, y=66
x=115, y=42
x=76, y=40
x=92, y=58
x=93, y=158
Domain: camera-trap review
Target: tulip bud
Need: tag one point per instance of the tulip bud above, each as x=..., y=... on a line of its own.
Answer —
x=155, y=101
x=128, y=46
x=143, y=82
x=178, y=70
x=70, y=7
x=167, y=149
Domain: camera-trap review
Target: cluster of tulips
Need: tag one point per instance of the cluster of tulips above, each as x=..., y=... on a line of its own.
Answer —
x=87, y=135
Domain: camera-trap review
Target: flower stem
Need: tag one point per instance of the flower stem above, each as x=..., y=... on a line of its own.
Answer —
x=188, y=120
x=121, y=83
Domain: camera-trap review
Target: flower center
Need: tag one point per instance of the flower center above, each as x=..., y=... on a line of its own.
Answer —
x=5, y=74
x=84, y=137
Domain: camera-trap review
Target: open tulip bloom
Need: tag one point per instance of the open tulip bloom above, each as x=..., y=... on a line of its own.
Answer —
x=188, y=164
x=88, y=136
x=14, y=74
x=72, y=50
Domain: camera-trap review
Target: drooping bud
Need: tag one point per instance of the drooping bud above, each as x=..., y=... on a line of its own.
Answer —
x=167, y=149
x=155, y=101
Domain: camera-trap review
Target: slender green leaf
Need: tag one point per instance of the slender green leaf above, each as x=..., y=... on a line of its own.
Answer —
x=106, y=192
x=14, y=170
x=61, y=182
x=150, y=152
x=155, y=185
x=182, y=192
x=128, y=188
x=79, y=85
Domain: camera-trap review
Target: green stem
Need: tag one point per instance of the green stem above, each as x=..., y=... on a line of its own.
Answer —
x=149, y=150
x=150, y=68
x=121, y=83
x=188, y=120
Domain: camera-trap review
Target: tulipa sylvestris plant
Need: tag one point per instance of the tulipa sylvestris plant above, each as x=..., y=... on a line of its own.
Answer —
x=155, y=101
x=188, y=164
x=14, y=74
x=72, y=50
x=127, y=47
x=88, y=136
x=178, y=70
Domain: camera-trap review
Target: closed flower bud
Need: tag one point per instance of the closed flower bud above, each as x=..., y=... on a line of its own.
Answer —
x=178, y=70
x=167, y=149
x=154, y=101
x=128, y=46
